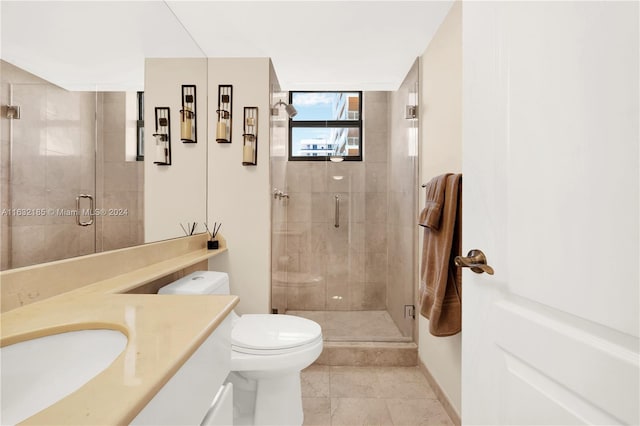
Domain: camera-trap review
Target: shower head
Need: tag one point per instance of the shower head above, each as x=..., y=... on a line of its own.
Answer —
x=290, y=109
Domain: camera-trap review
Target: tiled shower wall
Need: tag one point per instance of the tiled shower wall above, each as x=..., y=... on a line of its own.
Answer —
x=122, y=182
x=345, y=267
x=52, y=159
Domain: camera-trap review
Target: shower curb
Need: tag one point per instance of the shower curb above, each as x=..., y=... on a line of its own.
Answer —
x=369, y=354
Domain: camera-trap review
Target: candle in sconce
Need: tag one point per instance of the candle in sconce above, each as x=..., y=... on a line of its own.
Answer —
x=160, y=149
x=247, y=154
x=186, y=130
x=186, y=125
x=221, y=131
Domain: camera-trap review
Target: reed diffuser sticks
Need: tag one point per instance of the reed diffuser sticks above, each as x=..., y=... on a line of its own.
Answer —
x=190, y=229
x=213, y=244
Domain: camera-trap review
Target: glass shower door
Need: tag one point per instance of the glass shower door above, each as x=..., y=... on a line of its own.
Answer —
x=358, y=266
x=52, y=179
x=350, y=233
x=337, y=244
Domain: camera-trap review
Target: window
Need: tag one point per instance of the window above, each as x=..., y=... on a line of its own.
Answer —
x=328, y=124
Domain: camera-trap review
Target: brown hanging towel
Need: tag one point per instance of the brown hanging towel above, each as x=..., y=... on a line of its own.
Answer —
x=440, y=279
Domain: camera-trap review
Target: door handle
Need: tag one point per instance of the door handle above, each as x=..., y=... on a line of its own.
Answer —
x=91, y=210
x=476, y=260
x=337, y=213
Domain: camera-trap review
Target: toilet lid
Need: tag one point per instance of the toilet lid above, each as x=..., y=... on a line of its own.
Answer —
x=271, y=332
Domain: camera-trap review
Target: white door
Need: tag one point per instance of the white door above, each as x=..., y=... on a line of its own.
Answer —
x=551, y=190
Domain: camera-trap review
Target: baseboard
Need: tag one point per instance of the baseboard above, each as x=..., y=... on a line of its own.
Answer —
x=442, y=397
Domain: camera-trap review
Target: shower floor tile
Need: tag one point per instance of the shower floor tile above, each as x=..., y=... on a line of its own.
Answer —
x=355, y=326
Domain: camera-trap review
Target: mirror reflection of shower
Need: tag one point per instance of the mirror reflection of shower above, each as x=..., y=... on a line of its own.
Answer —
x=72, y=178
x=289, y=109
x=279, y=195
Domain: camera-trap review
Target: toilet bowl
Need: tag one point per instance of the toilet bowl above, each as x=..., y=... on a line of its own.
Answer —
x=267, y=354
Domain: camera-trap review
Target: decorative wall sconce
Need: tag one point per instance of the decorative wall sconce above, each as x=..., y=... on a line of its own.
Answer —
x=250, y=144
x=223, y=128
x=188, y=114
x=163, y=137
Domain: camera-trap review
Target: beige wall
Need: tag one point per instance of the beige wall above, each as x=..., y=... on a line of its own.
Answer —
x=440, y=152
x=177, y=193
x=239, y=196
x=208, y=172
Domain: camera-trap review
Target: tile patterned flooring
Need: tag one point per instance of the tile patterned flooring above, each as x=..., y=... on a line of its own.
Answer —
x=393, y=396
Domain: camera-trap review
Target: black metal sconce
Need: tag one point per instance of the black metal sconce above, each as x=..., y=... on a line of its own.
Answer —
x=188, y=127
x=250, y=143
x=223, y=127
x=163, y=137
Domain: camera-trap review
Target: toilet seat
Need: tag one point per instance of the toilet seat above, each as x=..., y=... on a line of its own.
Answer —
x=257, y=334
x=266, y=362
x=272, y=352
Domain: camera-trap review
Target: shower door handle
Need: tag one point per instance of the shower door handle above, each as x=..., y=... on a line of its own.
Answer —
x=337, y=212
x=79, y=212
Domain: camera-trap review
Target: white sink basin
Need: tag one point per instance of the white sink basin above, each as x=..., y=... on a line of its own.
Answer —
x=39, y=372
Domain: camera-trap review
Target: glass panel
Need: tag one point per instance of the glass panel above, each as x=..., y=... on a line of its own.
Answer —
x=53, y=162
x=280, y=260
x=325, y=141
x=326, y=106
x=344, y=238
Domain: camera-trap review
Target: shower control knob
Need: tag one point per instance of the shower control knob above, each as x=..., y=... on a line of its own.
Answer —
x=279, y=195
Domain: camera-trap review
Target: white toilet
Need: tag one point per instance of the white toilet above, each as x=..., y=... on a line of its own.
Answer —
x=267, y=354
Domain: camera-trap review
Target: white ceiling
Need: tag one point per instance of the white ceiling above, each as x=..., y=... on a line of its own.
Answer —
x=101, y=45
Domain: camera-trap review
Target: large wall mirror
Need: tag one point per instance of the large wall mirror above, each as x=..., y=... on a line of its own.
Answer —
x=76, y=177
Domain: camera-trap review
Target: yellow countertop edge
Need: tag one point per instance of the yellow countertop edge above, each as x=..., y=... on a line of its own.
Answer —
x=104, y=400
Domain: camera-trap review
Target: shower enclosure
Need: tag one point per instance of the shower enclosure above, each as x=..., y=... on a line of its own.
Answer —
x=64, y=163
x=344, y=233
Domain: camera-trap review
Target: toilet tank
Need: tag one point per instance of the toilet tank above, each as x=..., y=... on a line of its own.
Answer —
x=199, y=282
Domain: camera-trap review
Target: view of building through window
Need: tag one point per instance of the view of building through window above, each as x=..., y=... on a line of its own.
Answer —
x=328, y=124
